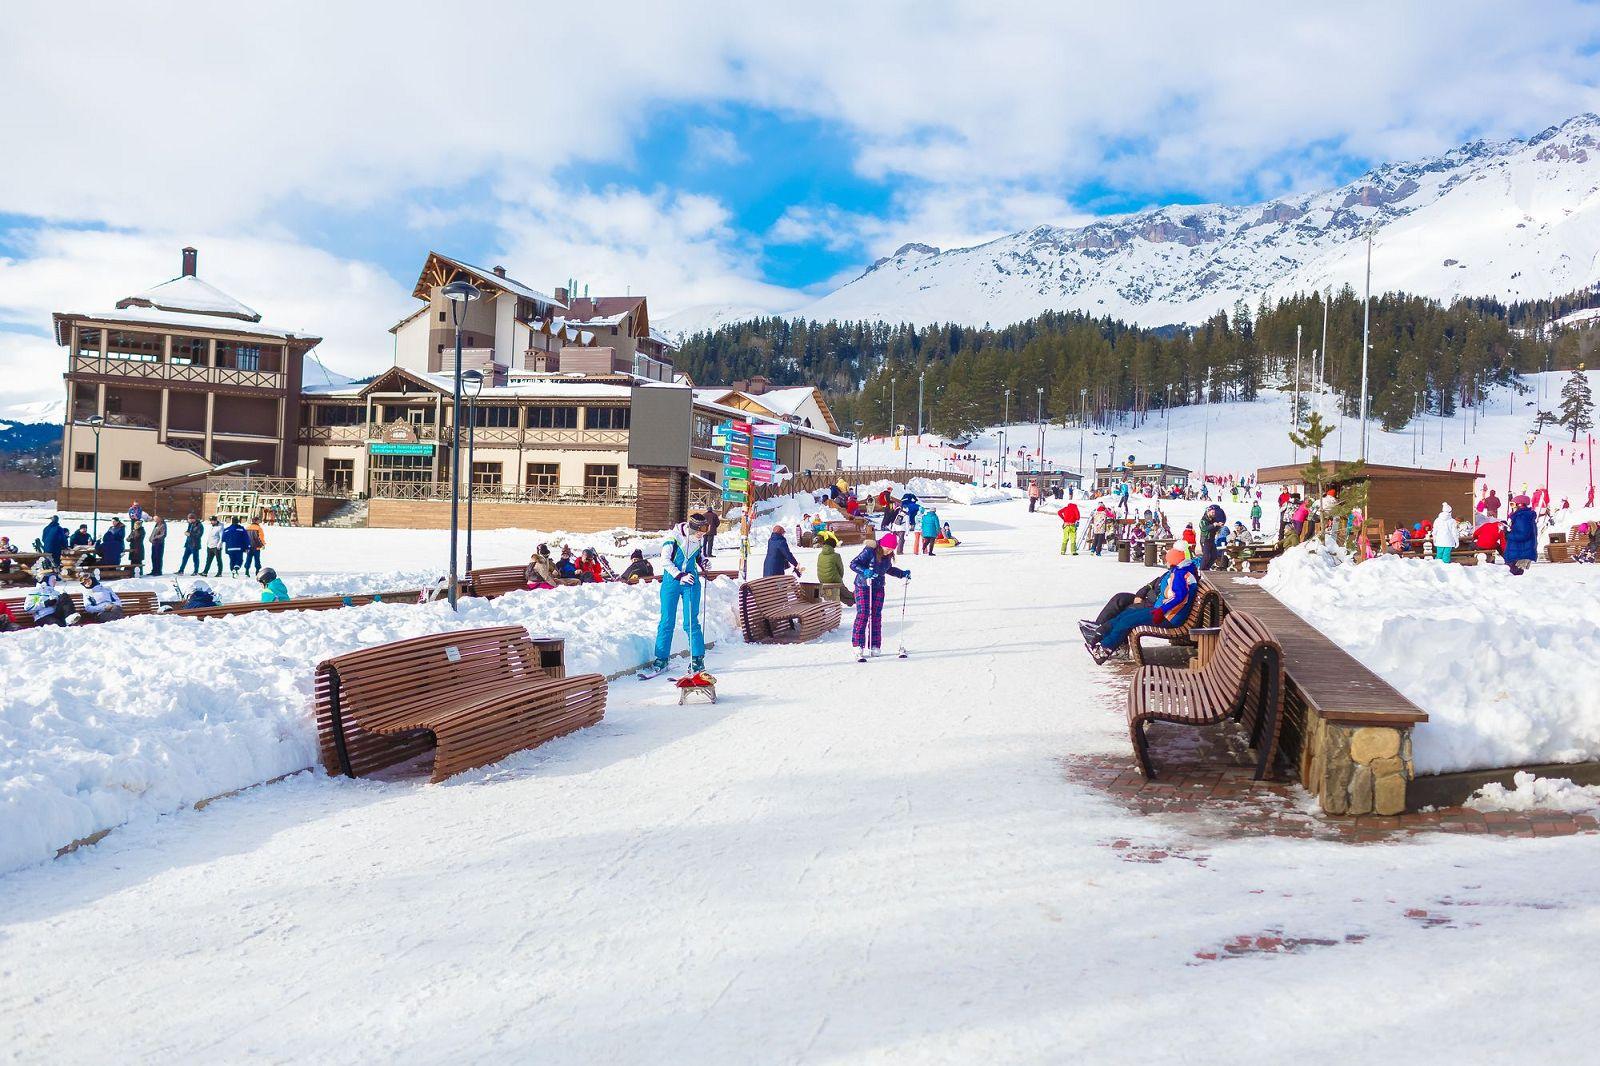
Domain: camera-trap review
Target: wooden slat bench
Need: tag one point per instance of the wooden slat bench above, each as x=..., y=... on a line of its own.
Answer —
x=1204, y=614
x=492, y=581
x=774, y=610
x=226, y=610
x=133, y=603
x=1242, y=679
x=477, y=695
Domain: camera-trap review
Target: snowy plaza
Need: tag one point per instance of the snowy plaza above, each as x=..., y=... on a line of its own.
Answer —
x=936, y=858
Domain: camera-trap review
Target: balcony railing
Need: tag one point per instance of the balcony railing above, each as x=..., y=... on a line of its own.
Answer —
x=577, y=495
x=483, y=436
x=281, y=486
x=111, y=366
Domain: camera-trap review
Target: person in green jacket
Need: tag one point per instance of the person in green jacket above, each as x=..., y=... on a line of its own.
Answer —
x=830, y=570
x=272, y=590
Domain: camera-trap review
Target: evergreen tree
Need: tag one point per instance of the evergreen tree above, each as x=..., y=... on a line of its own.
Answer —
x=1577, y=406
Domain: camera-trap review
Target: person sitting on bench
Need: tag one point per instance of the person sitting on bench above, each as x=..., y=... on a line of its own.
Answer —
x=1166, y=601
x=100, y=603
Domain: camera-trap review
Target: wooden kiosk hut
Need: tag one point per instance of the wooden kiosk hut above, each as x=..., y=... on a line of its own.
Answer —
x=1050, y=481
x=1161, y=477
x=1395, y=495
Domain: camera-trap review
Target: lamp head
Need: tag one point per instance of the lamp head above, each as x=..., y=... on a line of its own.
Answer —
x=472, y=383
x=461, y=291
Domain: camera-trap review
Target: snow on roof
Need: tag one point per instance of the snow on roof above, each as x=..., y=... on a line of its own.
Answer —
x=783, y=401
x=751, y=416
x=189, y=294
x=663, y=340
x=511, y=285
x=202, y=323
x=348, y=388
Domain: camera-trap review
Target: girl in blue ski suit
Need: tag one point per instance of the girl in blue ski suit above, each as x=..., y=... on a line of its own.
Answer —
x=1173, y=599
x=681, y=574
x=870, y=566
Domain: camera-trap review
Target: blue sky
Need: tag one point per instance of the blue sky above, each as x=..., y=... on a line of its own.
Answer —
x=708, y=155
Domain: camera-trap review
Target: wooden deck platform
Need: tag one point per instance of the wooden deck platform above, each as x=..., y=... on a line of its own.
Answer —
x=1331, y=681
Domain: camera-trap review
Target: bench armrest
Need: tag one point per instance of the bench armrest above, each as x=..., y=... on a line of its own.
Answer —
x=1205, y=631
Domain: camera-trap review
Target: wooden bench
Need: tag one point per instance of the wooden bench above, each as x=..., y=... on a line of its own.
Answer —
x=133, y=603
x=475, y=695
x=225, y=610
x=491, y=581
x=773, y=610
x=1242, y=679
x=1203, y=614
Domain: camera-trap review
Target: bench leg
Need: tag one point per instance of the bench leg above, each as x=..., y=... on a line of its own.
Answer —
x=1264, y=737
x=1141, y=748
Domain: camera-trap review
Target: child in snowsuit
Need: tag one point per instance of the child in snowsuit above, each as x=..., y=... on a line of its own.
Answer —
x=1069, y=528
x=681, y=575
x=830, y=570
x=1522, y=536
x=870, y=566
x=100, y=604
x=929, y=519
x=272, y=590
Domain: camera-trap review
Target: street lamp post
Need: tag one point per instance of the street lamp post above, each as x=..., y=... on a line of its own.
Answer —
x=921, y=375
x=473, y=381
x=95, y=422
x=1366, y=344
x=1038, y=416
x=460, y=293
x=858, y=449
x=1296, y=425
x=1166, y=435
x=1005, y=422
x=1083, y=417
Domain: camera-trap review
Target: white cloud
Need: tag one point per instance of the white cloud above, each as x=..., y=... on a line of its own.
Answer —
x=348, y=303
x=710, y=145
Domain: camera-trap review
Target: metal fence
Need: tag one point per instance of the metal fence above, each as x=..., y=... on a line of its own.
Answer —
x=552, y=494
x=817, y=482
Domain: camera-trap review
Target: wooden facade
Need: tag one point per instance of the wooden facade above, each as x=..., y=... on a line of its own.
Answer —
x=1394, y=495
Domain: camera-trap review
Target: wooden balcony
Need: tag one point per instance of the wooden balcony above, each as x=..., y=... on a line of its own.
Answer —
x=180, y=373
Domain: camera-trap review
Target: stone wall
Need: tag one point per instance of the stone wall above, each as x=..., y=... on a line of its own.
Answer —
x=1356, y=769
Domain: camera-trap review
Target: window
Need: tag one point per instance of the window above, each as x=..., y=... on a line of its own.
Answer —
x=89, y=342
x=413, y=413
x=441, y=316
x=83, y=462
x=340, y=415
x=703, y=428
x=190, y=351
x=132, y=470
x=606, y=417
x=340, y=474
x=138, y=347
x=497, y=417
x=408, y=469
x=544, y=478
x=487, y=477
x=600, y=479
x=552, y=418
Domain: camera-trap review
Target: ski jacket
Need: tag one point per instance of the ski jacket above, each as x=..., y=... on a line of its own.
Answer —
x=909, y=507
x=1444, y=530
x=99, y=600
x=236, y=538
x=1255, y=510
x=1068, y=515
x=590, y=570
x=258, y=536
x=113, y=543
x=1491, y=536
x=930, y=522
x=214, y=537
x=870, y=567
x=41, y=601
x=680, y=553
x=53, y=538
x=830, y=566
x=539, y=571
x=1177, y=594
x=1522, y=539
x=79, y=538
x=639, y=568
x=274, y=592
x=200, y=598
x=779, y=557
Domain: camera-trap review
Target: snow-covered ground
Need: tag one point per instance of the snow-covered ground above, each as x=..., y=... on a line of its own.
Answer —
x=835, y=862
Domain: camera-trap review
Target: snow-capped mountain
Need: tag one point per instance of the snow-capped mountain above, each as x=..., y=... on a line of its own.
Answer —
x=1515, y=219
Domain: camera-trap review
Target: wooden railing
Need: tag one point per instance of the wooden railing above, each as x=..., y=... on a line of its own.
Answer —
x=280, y=486
x=483, y=436
x=111, y=366
x=556, y=494
x=820, y=480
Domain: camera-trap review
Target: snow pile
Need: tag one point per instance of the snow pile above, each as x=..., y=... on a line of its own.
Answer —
x=126, y=721
x=975, y=494
x=1530, y=793
x=1504, y=666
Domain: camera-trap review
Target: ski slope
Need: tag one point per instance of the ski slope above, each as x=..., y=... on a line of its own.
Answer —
x=1239, y=438
x=836, y=862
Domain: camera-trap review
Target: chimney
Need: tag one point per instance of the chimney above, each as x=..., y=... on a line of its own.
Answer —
x=500, y=271
x=190, y=257
x=561, y=294
x=758, y=385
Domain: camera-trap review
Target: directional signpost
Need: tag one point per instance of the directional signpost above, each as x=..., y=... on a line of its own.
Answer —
x=749, y=457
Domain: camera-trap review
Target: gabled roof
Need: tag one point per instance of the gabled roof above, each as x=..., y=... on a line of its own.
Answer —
x=440, y=269
x=781, y=403
x=609, y=311
x=189, y=294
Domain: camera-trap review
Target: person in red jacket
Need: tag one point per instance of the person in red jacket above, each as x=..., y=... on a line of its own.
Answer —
x=1189, y=538
x=588, y=567
x=1490, y=537
x=7, y=619
x=1069, y=528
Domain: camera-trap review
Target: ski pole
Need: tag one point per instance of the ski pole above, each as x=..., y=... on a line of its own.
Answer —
x=905, y=589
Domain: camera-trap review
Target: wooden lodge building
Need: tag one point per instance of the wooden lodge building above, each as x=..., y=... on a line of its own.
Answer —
x=552, y=429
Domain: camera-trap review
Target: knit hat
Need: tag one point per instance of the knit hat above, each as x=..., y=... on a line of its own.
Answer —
x=889, y=542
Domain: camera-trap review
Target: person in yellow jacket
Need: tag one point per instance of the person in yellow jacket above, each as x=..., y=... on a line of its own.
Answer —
x=258, y=540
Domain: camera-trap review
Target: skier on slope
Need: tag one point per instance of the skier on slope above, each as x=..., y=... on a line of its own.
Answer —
x=1069, y=528
x=870, y=566
x=681, y=573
